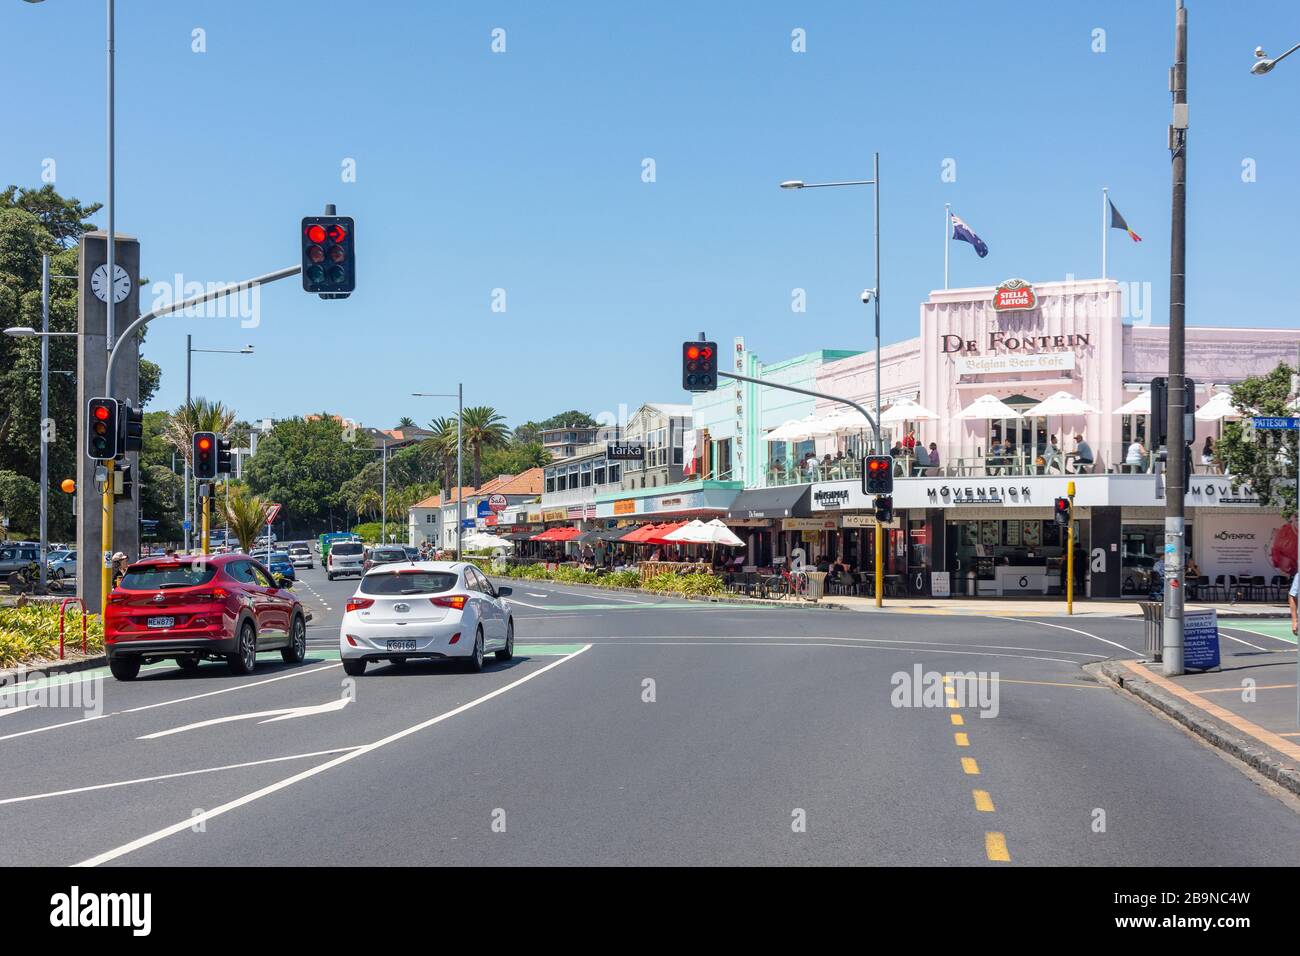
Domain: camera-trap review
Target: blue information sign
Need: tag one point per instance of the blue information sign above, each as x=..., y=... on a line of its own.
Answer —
x=1200, y=640
x=467, y=522
x=484, y=509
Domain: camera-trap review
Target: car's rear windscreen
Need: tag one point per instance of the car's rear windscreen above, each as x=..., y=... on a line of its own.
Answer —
x=408, y=582
x=346, y=547
x=157, y=577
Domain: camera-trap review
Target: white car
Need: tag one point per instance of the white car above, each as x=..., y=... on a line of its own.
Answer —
x=429, y=609
x=301, y=557
x=346, y=557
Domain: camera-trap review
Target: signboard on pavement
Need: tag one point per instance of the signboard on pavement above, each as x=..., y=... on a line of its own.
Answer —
x=939, y=581
x=1201, y=639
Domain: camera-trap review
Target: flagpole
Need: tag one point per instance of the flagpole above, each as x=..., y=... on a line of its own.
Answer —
x=1104, y=200
x=947, y=234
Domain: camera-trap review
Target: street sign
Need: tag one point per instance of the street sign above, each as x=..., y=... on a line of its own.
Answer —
x=467, y=523
x=187, y=525
x=272, y=512
x=497, y=503
x=483, y=510
x=1276, y=424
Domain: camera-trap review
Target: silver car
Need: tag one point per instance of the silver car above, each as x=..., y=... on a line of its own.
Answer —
x=61, y=564
x=346, y=557
x=301, y=557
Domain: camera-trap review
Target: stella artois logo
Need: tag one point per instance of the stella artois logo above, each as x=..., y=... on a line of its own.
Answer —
x=1014, y=295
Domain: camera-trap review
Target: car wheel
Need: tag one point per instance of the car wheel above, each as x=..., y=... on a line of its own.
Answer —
x=188, y=664
x=474, y=663
x=297, y=649
x=354, y=667
x=509, y=652
x=330, y=576
x=245, y=657
x=125, y=668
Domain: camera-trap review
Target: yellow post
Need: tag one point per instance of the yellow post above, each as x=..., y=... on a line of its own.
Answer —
x=207, y=501
x=880, y=563
x=1069, y=553
x=106, y=541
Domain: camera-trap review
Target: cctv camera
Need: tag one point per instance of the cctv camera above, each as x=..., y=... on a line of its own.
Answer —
x=868, y=295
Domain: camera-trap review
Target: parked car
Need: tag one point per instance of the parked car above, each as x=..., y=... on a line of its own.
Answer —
x=226, y=607
x=430, y=609
x=345, y=557
x=17, y=555
x=61, y=564
x=383, y=554
x=301, y=557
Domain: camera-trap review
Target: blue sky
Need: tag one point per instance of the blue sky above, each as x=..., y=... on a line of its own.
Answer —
x=522, y=171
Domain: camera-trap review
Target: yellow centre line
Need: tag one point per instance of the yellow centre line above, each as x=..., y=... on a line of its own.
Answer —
x=957, y=719
x=961, y=739
x=970, y=766
x=983, y=802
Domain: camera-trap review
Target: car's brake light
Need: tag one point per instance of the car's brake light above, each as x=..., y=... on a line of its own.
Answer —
x=358, y=604
x=456, y=601
x=216, y=594
x=351, y=640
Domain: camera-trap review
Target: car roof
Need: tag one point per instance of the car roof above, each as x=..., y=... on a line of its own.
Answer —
x=450, y=566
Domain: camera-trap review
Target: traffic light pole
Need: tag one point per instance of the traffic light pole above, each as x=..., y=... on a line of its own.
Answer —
x=875, y=427
x=207, y=501
x=1069, y=553
x=106, y=559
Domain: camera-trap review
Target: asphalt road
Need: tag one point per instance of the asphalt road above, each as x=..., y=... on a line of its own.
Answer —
x=637, y=731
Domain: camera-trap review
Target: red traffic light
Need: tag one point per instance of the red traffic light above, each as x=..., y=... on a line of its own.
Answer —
x=336, y=233
x=205, y=444
x=693, y=352
x=101, y=412
x=316, y=232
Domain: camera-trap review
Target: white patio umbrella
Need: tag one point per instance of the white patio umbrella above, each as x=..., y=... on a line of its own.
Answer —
x=846, y=420
x=1138, y=405
x=1218, y=408
x=693, y=532
x=1060, y=403
x=907, y=411
x=724, y=535
x=802, y=429
x=985, y=407
x=481, y=541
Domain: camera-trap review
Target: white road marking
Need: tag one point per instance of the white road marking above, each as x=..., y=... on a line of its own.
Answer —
x=531, y=594
x=6, y=711
x=284, y=713
x=1030, y=620
x=1246, y=630
x=790, y=638
x=166, y=703
x=172, y=776
x=816, y=643
x=188, y=822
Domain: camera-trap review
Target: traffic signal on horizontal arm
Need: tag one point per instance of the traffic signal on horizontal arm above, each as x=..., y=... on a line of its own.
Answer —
x=223, y=456
x=329, y=266
x=700, y=366
x=878, y=475
x=205, y=456
x=102, y=429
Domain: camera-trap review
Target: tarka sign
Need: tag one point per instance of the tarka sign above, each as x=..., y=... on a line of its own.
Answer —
x=1014, y=295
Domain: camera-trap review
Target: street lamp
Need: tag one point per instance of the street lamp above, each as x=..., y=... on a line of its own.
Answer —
x=189, y=351
x=869, y=296
x=1264, y=65
x=459, y=395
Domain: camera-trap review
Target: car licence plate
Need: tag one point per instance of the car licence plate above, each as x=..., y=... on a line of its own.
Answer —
x=162, y=621
x=401, y=645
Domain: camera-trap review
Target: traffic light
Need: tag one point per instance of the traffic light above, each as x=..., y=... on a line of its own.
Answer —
x=205, y=456
x=102, y=429
x=223, y=456
x=878, y=475
x=884, y=509
x=1062, y=510
x=329, y=265
x=700, y=366
x=132, y=424
x=123, y=481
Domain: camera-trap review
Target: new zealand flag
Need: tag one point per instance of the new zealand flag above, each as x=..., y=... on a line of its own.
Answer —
x=966, y=234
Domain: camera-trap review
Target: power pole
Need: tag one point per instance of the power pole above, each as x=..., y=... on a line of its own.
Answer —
x=1176, y=478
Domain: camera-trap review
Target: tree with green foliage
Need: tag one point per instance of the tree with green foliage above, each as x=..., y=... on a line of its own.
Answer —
x=532, y=431
x=303, y=464
x=19, y=503
x=1263, y=460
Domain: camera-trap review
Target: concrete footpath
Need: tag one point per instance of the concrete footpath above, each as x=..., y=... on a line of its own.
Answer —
x=1246, y=708
x=1039, y=607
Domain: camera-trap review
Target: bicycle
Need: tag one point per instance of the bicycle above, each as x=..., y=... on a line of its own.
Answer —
x=26, y=580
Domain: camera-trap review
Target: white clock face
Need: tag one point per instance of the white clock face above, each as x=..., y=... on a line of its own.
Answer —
x=121, y=283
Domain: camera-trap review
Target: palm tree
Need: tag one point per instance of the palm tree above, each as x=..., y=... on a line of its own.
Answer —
x=368, y=502
x=246, y=516
x=406, y=421
x=197, y=415
x=441, y=446
x=483, y=428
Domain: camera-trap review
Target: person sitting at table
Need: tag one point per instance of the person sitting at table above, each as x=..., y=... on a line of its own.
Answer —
x=909, y=441
x=1207, y=455
x=1135, y=459
x=997, y=456
x=1052, y=455
x=921, y=461
x=934, y=459
x=1083, y=458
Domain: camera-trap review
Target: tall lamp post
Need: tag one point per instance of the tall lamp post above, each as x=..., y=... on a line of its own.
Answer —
x=868, y=295
x=189, y=351
x=459, y=395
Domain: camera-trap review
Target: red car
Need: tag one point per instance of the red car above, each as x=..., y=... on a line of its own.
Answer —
x=223, y=607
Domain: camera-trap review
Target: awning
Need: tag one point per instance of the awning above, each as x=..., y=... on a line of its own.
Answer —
x=519, y=536
x=664, y=529
x=603, y=534
x=557, y=534
x=643, y=534
x=788, y=501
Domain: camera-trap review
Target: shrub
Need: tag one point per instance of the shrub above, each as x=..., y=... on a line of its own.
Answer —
x=31, y=633
x=621, y=579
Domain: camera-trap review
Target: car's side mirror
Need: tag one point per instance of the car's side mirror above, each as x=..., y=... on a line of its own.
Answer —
x=505, y=590
x=282, y=582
